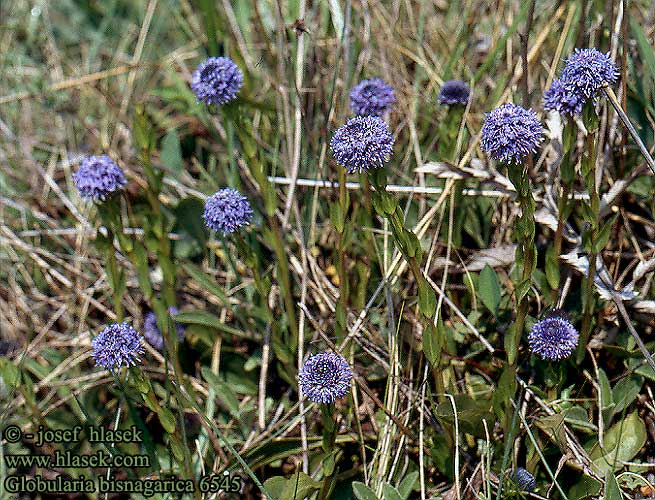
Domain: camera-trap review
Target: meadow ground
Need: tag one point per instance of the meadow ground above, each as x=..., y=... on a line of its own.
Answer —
x=494, y=320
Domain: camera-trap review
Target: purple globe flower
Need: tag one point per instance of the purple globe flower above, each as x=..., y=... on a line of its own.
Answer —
x=564, y=98
x=584, y=73
x=553, y=337
x=115, y=345
x=325, y=377
x=454, y=92
x=588, y=70
x=524, y=480
x=152, y=333
x=98, y=177
x=372, y=97
x=226, y=211
x=216, y=81
x=510, y=133
x=363, y=143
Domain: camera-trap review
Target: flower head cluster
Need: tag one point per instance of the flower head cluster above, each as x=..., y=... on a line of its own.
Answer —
x=510, y=133
x=152, y=333
x=115, y=345
x=363, y=143
x=325, y=377
x=524, y=480
x=216, y=81
x=98, y=177
x=584, y=73
x=454, y=92
x=372, y=97
x=226, y=211
x=553, y=337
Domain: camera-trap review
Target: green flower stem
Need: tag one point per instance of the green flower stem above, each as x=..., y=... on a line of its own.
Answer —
x=564, y=205
x=109, y=212
x=250, y=151
x=142, y=384
x=526, y=253
x=155, y=228
x=387, y=206
x=590, y=236
x=329, y=422
x=341, y=222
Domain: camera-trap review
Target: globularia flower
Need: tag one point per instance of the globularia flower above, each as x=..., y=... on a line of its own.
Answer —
x=325, y=377
x=363, y=143
x=372, y=97
x=454, y=92
x=152, y=333
x=553, y=337
x=583, y=75
x=589, y=69
x=216, y=80
x=524, y=480
x=510, y=133
x=564, y=98
x=98, y=177
x=115, y=345
x=226, y=211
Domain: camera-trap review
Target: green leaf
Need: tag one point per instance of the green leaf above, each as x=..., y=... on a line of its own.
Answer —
x=208, y=283
x=210, y=320
x=621, y=443
x=171, y=152
x=604, y=234
x=607, y=399
x=10, y=372
x=470, y=414
x=407, y=484
x=337, y=216
x=296, y=487
x=188, y=224
x=489, y=289
x=427, y=301
x=552, y=268
x=223, y=391
x=431, y=344
x=167, y=420
x=612, y=489
x=390, y=493
x=625, y=392
x=363, y=492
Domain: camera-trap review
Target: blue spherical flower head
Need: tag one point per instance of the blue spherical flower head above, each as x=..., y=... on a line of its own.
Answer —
x=98, y=177
x=554, y=337
x=563, y=97
x=524, y=480
x=216, y=81
x=363, y=143
x=226, y=211
x=152, y=333
x=454, y=92
x=588, y=70
x=116, y=345
x=584, y=73
x=372, y=97
x=510, y=133
x=325, y=377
